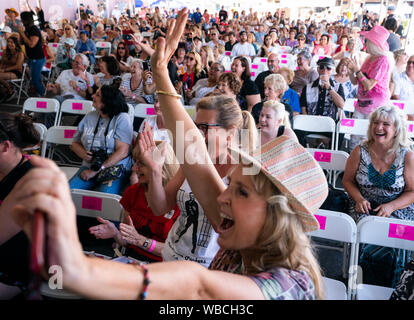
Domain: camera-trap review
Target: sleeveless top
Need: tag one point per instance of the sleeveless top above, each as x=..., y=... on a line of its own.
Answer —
x=379, y=189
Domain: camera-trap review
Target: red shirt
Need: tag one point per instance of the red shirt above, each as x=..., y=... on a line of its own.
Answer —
x=147, y=224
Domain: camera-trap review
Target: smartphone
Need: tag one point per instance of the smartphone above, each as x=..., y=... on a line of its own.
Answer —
x=145, y=65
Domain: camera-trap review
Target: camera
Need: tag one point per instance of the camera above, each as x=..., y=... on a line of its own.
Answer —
x=98, y=158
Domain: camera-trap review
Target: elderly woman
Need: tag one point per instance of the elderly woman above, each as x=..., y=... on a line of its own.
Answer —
x=11, y=67
x=65, y=54
x=249, y=93
x=99, y=34
x=401, y=58
x=135, y=86
x=341, y=78
x=352, y=52
x=290, y=96
x=207, y=85
x=274, y=122
x=372, y=77
x=102, y=141
x=304, y=73
x=86, y=46
x=264, y=255
x=68, y=33
x=275, y=87
x=301, y=46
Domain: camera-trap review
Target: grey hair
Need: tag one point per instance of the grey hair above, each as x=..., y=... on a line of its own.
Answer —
x=277, y=82
x=85, y=60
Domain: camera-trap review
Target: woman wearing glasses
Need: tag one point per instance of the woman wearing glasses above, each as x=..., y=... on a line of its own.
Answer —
x=193, y=72
x=68, y=34
x=301, y=46
x=123, y=57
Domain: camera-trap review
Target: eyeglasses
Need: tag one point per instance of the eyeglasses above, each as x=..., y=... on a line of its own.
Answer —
x=119, y=48
x=410, y=62
x=301, y=39
x=203, y=127
x=325, y=67
x=189, y=58
x=67, y=29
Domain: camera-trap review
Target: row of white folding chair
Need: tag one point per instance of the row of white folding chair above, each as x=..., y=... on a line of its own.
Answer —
x=144, y=110
x=54, y=46
x=385, y=232
x=20, y=84
x=337, y=226
x=74, y=106
x=347, y=126
x=315, y=124
x=406, y=106
x=333, y=161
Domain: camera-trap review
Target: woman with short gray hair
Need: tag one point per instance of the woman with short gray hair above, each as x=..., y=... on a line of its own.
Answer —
x=304, y=74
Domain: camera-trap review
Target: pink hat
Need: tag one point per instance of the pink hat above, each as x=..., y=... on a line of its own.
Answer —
x=377, y=35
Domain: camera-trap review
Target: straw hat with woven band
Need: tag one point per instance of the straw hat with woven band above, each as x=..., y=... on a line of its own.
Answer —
x=12, y=10
x=296, y=174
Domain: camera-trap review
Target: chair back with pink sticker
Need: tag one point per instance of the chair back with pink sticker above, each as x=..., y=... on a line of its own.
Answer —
x=338, y=226
x=385, y=232
x=54, y=46
x=315, y=124
x=349, y=105
x=104, y=45
x=42, y=105
x=347, y=126
x=406, y=106
x=97, y=204
x=74, y=106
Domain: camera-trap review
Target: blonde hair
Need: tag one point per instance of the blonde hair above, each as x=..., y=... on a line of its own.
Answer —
x=289, y=72
x=398, y=118
x=280, y=111
x=199, y=66
x=170, y=166
x=277, y=82
x=282, y=241
x=72, y=32
x=210, y=55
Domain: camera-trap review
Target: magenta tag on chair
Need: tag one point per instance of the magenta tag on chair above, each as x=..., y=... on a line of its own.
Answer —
x=150, y=111
x=348, y=123
x=322, y=156
x=321, y=57
x=1, y=53
x=263, y=60
x=68, y=134
x=322, y=221
x=411, y=128
x=400, y=231
x=227, y=53
x=283, y=61
x=102, y=45
x=355, y=103
x=284, y=52
x=77, y=106
x=255, y=66
x=284, y=56
x=91, y=203
x=399, y=105
x=253, y=74
x=41, y=104
x=54, y=45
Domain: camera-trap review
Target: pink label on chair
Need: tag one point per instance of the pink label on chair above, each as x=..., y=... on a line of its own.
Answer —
x=102, y=45
x=255, y=66
x=1, y=53
x=77, y=106
x=54, y=45
x=284, y=52
x=227, y=53
x=253, y=74
x=321, y=57
x=91, y=203
x=263, y=60
x=400, y=231
x=322, y=156
x=321, y=220
x=355, y=103
x=283, y=61
x=284, y=55
x=411, y=128
x=150, y=111
x=68, y=134
x=348, y=123
x=41, y=104
x=399, y=105
x=227, y=70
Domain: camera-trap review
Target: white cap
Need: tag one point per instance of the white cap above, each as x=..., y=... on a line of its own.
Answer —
x=6, y=29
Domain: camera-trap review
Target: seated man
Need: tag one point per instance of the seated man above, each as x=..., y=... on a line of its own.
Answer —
x=320, y=98
x=243, y=48
x=273, y=65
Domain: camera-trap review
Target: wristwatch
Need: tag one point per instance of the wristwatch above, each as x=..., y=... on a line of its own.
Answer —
x=102, y=168
x=145, y=244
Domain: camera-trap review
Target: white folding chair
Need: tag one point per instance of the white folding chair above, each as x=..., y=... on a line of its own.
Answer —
x=334, y=289
x=143, y=110
x=131, y=112
x=315, y=124
x=411, y=129
x=347, y=126
x=42, y=105
x=332, y=160
x=287, y=60
x=104, y=45
x=41, y=129
x=285, y=49
x=349, y=105
x=406, y=106
x=226, y=62
x=19, y=84
x=73, y=106
x=256, y=69
x=54, y=46
x=338, y=226
x=386, y=232
x=98, y=204
x=62, y=135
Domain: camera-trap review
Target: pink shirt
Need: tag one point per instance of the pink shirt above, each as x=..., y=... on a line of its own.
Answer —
x=327, y=50
x=378, y=69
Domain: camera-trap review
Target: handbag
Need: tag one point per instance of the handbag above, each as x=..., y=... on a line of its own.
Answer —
x=111, y=173
x=337, y=200
x=405, y=286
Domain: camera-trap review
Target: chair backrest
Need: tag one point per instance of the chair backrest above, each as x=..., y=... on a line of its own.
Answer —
x=285, y=49
x=54, y=46
x=406, y=106
x=131, y=112
x=287, y=60
x=144, y=110
x=97, y=204
x=226, y=62
x=330, y=159
x=74, y=106
x=257, y=68
x=58, y=135
x=104, y=45
x=41, y=128
x=357, y=127
x=42, y=105
x=411, y=129
x=349, y=105
x=313, y=123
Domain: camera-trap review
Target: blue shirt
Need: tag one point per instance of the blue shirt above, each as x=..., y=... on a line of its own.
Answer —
x=291, y=98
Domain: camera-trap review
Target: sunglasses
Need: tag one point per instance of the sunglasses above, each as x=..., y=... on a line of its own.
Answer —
x=123, y=48
x=301, y=39
x=67, y=29
x=325, y=67
x=410, y=62
x=203, y=127
x=189, y=58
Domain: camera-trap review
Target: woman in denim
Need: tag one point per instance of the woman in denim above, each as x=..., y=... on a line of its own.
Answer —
x=86, y=46
x=108, y=129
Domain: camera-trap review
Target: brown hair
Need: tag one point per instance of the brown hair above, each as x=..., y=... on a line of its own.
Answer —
x=18, y=129
x=232, y=81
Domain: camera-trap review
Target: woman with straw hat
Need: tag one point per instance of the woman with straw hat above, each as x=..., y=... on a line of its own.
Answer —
x=262, y=218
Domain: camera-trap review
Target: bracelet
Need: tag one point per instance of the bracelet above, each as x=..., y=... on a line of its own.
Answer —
x=144, y=292
x=134, y=96
x=363, y=78
x=175, y=95
x=78, y=89
x=152, y=246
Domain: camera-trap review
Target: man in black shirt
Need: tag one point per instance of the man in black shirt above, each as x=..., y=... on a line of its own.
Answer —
x=32, y=40
x=232, y=41
x=223, y=15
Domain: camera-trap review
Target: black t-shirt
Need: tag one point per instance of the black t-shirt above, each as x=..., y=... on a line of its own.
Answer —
x=223, y=15
x=248, y=88
x=14, y=261
x=260, y=82
x=36, y=52
x=228, y=46
x=257, y=108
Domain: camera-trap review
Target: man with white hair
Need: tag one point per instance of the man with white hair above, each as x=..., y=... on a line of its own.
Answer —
x=273, y=66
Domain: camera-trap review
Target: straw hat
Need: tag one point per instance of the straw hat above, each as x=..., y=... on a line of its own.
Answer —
x=12, y=10
x=296, y=174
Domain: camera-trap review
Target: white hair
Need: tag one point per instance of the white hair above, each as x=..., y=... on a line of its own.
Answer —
x=85, y=60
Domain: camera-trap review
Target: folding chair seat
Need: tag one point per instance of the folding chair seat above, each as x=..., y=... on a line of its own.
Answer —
x=315, y=124
x=73, y=106
x=334, y=289
x=42, y=105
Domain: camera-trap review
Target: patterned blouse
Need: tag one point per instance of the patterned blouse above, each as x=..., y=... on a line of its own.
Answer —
x=276, y=284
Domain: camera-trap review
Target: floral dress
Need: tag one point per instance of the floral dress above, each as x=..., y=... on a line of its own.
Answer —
x=377, y=188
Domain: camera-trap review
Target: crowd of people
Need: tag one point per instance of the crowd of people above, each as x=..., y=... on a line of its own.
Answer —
x=188, y=215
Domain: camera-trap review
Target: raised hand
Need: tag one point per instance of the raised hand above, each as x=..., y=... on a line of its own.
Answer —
x=151, y=156
x=105, y=230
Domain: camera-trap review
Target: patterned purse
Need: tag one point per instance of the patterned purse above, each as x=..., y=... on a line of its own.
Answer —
x=111, y=173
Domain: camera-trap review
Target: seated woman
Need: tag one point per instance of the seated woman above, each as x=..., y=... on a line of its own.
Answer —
x=16, y=133
x=229, y=85
x=135, y=86
x=68, y=34
x=142, y=232
x=290, y=96
x=11, y=67
x=267, y=47
x=249, y=93
x=102, y=141
x=379, y=176
x=123, y=58
x=66, y=54
x=193, y=72
x=86, y=46
x=207, y=85
x=264, y=255
x=304, y=74
x=50, y=58
x=99, y=34
x=218, y=53
x=324, y=47
x=207, y=57
x=109, y=71
x=275, y=88
x=341, y=78
x=301, y=46
x=274, y=122
x=51, y=37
